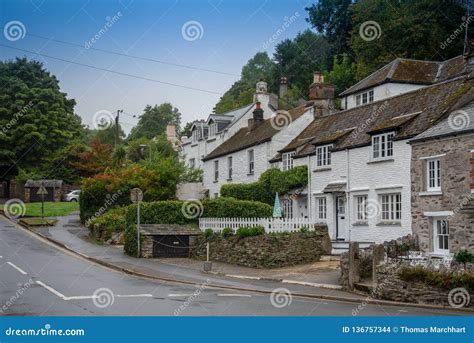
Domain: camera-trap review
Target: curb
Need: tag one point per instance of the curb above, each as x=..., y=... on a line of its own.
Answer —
x=297, y=294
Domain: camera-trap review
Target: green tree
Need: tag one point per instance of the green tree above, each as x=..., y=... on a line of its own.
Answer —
x=154, y=119
x=342, y=75
x=186, y=130
x=107, y=134
x=36, y=118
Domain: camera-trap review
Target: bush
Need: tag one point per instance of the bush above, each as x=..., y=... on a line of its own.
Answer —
x=102, y=227
x=464, y=257
x=250, y=231
x=444, y=280
x=227, y=232
x=270, y=182
x=208, y=233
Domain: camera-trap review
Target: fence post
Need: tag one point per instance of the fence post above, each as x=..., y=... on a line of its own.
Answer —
x=378, y=256
x=354, y=264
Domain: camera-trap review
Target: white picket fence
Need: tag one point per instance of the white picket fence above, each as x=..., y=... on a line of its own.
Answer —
x=270, y=224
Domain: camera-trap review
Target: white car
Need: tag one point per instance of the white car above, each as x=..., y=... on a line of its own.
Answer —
x=73, y=195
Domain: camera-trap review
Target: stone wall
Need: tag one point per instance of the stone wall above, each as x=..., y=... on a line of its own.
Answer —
x=456, y=167
x=268, y=250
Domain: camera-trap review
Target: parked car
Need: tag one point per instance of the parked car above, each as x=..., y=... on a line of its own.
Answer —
x=73, y=195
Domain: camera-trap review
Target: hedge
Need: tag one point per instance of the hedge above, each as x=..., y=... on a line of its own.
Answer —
x=270, y=182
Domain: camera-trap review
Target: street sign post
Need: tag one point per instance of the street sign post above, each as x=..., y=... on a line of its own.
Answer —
x=42, y=191
x=136, y=195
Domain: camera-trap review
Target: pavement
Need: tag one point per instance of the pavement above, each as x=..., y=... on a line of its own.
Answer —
x=40, y=278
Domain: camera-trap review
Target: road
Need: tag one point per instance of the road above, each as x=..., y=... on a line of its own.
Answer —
x=39, y=279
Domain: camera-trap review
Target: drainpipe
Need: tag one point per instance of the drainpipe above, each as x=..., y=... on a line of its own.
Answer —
x=348, y=187
x=310, y=212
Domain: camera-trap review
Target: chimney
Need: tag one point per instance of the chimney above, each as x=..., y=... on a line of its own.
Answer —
x=257, y=118
x=283, y=86
x=171, y=131
x=469, y=56
x=322, y=95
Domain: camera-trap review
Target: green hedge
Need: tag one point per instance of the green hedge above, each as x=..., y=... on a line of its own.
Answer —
x=442, y=279
x=272, y=181
x=102, y=227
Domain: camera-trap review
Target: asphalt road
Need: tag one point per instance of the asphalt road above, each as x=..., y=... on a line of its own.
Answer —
x=39, y=279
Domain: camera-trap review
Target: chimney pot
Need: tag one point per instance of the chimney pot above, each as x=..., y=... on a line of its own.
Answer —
x=318, y=77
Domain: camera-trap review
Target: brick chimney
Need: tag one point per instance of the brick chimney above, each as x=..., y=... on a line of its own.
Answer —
x=469, y=56
x=322, y=95
x=171, y=134
x=257, y=118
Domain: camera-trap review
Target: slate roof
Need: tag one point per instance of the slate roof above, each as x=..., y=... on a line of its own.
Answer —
x=245, y=138
x=458, y=122
x=408, y=114
x=402, y=70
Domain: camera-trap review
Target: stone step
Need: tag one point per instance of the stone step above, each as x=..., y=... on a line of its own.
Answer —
x=339, y=247
x=363, y=287
x=327, y=258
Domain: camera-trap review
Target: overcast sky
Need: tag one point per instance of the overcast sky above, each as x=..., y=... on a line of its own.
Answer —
x=222, y=35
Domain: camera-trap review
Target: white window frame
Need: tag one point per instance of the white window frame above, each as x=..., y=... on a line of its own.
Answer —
x=391, y=207
x=229, y=167
x=321, y=208
x=433, y=175
x=440, y=235
x=323, y=156
x=361, y=207
x=364, y=97
x=251, y=161
x=287, y=159
x=196, y=135
x=382, y=146
x=212, y=129
x=288, y=208
x=216, y=171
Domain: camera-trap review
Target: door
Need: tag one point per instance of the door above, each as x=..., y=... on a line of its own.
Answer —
x=340, y=217
x=441, y=236
x=171, y=246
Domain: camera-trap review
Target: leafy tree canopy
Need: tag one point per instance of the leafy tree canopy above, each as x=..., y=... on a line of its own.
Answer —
x=154, y=119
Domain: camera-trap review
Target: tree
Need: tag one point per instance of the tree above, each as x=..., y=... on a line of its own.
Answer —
x=107, y=134
x=332, y=18
x=154, y=119
x=186, y=130
x=342, y=75
x=36, y=118
x=95, y=159
x=410, y=29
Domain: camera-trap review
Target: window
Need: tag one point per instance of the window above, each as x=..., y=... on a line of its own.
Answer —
x=192, y=163
x=382, y=146
x=288, y=208
x=358, y=99
x=251, y=162
x=392, y=207
x=323, y=155
x=321, y=208
x=371, y=96
x=365, y=98
x=229, y=167
x=287, y=159
x=196, y=135
x=361, y=207
x=441, y=235
x=212, y=129
x=216, y=171
x=433, y=177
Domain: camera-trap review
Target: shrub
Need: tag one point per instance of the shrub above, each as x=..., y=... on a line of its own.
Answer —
x=102, y=227
x=250, y=231
x=304, y=229
x=270, y=182
x=208, y=233
x=227, y=232
x=242, y=232
x=444, y=280
x=464, y=257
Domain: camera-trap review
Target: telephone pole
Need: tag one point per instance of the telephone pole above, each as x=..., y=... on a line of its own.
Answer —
x=117, y=128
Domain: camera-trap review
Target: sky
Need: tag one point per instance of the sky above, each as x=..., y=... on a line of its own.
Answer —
x=204, y=43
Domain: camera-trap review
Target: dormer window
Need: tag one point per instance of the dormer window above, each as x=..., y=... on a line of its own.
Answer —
x=323, y=155
x=287, y=159
x=212, y=129
x=382, y=146
x=196, y=136
x=365, y=98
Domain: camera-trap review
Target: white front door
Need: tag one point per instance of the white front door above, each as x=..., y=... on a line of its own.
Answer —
x=441, y=236
x=340, y=217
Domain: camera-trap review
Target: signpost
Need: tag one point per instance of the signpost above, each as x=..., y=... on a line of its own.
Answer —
x=136, y=195
x=42, y=191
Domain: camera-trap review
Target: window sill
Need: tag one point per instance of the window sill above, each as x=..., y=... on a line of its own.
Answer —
x=194, y=144
x=389, y=223
x=250, y=174
x=428, y=193
x=229, y=179
x=381, y=160
x=361, y=223
x=211, y=139
x=215, y=181
x=321, y=169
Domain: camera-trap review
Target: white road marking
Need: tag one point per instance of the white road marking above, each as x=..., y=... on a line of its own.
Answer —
x=52, y=290
x=243, y=277
x=17, y=268
x=312, y=284
x=234, y=295
x=180, y=295
x=134, y=296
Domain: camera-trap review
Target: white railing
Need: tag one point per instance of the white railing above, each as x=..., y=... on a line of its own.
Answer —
x=270, y=224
